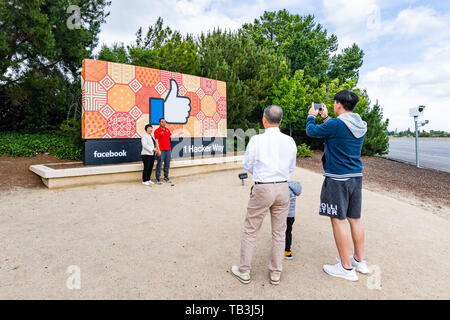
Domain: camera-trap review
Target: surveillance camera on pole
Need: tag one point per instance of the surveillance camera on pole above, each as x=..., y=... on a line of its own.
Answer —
x=416, y=112
x=422, y=123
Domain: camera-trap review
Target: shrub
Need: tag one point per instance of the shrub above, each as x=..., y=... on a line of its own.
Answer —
x=303, y=151
x=29, y=145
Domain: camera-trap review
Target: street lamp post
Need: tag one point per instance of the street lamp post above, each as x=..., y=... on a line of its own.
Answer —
x=417, y=140
x=416, y=112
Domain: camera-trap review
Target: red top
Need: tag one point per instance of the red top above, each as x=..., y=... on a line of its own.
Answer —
x=163, y=137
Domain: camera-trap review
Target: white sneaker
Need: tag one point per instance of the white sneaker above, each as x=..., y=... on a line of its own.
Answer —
x=146, y=183
x=337, y=270
x=150, y=182
x=243, y=277
x=274, y=277
x=360, y=266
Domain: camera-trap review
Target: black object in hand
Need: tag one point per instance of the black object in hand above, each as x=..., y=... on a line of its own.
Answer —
x=317, y=106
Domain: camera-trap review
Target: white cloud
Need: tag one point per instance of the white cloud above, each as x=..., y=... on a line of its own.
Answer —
x=188, y=16
x=354, y=21
x=422, y=24
x=185, y=16
x=400, y=87
x=203, y=15
x=415, y=41
x=362, y=22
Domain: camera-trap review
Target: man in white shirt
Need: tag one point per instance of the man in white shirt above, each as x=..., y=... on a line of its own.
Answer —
x=270, y=157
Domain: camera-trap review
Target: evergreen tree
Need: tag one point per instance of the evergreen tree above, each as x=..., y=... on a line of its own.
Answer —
x=280, y=58
x=248, y=69
x=161, y=48
x=345, y=66
x=40, y=58
x=376, y=141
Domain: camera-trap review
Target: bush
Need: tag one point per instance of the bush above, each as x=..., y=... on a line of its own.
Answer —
x=303, y=151
x=71, y=129
x=29, y=145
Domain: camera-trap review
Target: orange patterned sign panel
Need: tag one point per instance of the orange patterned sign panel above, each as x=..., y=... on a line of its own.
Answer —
x=119, y=100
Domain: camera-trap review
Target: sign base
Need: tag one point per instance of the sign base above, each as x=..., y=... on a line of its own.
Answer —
x=113, y=151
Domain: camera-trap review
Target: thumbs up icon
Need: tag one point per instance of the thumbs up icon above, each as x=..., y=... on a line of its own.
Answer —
x=174, y=109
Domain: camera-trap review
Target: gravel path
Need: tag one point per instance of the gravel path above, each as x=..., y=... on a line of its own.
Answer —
x=129, y=241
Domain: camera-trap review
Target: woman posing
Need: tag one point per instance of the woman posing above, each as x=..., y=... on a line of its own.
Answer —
x=149, y=148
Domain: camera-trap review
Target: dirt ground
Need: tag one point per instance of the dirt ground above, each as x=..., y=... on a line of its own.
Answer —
x=14, y=172
x=426, y=187
x=129, y=241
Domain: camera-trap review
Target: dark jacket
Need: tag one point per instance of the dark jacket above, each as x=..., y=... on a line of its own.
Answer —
x=344, y=137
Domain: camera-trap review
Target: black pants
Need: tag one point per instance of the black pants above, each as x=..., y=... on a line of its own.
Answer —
x=290, y=222
x=148, y=166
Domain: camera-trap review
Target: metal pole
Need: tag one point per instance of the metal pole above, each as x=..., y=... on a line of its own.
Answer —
x=417, y=138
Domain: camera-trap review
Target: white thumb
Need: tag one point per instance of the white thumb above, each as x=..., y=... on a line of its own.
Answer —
x=173, y=91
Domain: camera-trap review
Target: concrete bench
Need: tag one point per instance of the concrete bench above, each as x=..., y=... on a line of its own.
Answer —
x=73, y=174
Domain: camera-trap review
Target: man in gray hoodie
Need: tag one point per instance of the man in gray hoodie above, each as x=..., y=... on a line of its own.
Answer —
x=340, y=198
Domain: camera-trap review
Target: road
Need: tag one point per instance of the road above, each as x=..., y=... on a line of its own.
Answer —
x=434, y=153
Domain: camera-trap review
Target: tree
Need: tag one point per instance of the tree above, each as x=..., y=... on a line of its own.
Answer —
x=306, y=44
x=161, y=48
x=116, y=53
x=296, y=95
x=376, y=141
x=302, y=40
x=280, y=58
x=40, y=58
x=248, y=69
x=291, y=94
x=345, y=66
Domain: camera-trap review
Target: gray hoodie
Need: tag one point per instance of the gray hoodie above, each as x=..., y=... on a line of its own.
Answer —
x=354, y=123
x=295, y=189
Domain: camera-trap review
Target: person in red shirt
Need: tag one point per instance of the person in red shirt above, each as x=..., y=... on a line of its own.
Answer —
x=162, y=136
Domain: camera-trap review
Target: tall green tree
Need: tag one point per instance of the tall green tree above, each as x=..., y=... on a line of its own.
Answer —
x=291, y=94
x=114, y=53
x=306, y=44
x=345, y=66
x=163, y=48
x=160, y=48
x=376, y=141
x=296, y=95
x=41, y=50
x=301, y=39
x=248, y=69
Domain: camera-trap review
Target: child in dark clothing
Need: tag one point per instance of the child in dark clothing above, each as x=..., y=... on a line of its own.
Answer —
x=295, y=189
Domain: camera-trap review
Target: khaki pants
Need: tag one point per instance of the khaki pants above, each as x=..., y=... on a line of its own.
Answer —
x=273, y=197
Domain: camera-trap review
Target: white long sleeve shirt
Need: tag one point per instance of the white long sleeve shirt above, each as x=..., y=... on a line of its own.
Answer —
x=147, y=145
x=271, y=156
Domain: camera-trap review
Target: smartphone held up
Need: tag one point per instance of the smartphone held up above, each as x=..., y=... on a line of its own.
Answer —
x=317, y=106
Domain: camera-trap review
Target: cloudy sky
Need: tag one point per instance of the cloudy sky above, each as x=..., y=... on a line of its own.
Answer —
x=406, y=42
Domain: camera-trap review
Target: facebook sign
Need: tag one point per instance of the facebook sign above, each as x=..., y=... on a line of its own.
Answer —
x=113, y=151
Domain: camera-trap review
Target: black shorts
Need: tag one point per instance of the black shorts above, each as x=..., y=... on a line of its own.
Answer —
x=341, y=199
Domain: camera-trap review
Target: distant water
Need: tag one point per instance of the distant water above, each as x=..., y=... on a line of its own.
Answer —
x=434, y=153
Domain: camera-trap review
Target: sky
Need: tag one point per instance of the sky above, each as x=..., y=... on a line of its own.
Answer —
x=406, y=42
